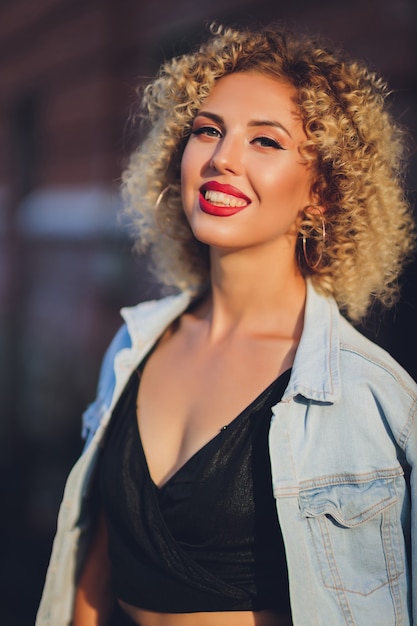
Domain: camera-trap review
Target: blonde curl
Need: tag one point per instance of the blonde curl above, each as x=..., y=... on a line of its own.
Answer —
x=354, y=146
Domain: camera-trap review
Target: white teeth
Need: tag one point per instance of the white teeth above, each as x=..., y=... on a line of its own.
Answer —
x=223, y=199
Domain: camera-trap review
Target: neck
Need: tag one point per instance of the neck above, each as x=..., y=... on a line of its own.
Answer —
x=251, y=294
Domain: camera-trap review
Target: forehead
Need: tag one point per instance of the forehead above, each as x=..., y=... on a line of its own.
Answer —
x=255, y=96
x=251, y=79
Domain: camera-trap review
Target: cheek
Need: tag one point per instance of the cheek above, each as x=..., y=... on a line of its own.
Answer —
x=295, y=183
x=286, y=185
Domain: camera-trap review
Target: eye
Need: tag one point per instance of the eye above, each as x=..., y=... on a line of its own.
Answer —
x=207, y=131
x=267, y=142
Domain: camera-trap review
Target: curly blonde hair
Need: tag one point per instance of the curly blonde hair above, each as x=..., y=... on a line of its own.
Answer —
x=355, y=148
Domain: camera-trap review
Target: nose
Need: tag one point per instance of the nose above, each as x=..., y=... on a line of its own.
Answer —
x=228, y=156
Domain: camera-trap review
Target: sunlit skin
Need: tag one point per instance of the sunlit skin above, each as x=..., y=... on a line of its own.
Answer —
x=247, y=134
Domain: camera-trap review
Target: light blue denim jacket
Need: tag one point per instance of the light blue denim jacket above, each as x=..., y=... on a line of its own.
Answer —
x=343, y=448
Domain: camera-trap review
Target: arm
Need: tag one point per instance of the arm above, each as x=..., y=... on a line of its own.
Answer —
x=93, y=598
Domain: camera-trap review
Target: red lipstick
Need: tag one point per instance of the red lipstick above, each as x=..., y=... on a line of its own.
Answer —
x=221, y=210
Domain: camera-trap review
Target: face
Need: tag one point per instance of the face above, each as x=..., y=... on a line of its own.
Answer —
x=244, y=182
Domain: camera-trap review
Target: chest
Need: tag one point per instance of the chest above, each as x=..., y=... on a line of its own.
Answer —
x=187, y=395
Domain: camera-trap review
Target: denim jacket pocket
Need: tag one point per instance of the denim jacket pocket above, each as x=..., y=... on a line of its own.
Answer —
x=356, y=534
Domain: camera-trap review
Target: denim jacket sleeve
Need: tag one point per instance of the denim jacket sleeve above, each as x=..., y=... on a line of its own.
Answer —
x=400, y=412
x=411, y=451
x=406, y=436
x=343, y=446
x=94, y=413
x=143, y=325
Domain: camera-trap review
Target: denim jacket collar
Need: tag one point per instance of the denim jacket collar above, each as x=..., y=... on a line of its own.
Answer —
x=147, y=321
x=316, y=371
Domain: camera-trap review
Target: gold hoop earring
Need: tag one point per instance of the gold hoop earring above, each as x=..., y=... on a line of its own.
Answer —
x=176, y=231
x=314, y=265
x=161, y=197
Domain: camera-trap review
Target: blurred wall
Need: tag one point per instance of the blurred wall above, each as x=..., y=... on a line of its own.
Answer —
x=68, y=72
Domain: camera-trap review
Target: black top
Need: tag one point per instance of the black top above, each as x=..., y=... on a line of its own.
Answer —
x=209, y=538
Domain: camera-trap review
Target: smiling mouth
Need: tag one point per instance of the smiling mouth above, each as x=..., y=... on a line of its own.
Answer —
x=220, y=199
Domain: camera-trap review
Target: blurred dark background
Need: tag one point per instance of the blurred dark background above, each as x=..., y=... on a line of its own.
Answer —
x=68, y=72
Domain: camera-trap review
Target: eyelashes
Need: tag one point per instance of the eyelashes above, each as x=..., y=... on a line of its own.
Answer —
x=208, y=131
x=214, y=133
x=267, y=142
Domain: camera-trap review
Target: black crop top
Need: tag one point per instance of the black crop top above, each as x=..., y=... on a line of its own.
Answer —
x=209, y=538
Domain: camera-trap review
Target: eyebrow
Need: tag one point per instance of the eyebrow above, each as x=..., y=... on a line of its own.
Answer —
x=252, y=123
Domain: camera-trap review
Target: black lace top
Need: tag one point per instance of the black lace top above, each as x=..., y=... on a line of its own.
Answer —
x=209, y=538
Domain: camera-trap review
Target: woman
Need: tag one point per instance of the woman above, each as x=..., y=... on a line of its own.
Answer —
x=257, y=467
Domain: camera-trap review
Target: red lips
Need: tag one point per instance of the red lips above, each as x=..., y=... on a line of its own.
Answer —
x=221, y=211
